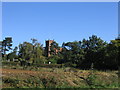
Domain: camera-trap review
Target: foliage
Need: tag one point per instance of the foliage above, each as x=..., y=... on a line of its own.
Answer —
x=94, y=50
x=54, y=48
x=80, y=54
x=32, y=53
x=6, y=44
x=13, y=55
x=53, y=59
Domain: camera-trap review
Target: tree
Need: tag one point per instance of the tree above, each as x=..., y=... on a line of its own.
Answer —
x=25, y=51
x=92, y=48
x=54, y=48
x=13, y=55
x=85, y=52
x=33, y=40
x=32, y=53
x=112, y=54
x=38, y=53
x=6, y=45
x=71, y=52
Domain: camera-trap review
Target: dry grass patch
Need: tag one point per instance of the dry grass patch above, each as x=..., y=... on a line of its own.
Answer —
x=54, y=77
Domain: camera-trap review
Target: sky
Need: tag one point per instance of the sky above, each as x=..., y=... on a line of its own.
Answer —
x=62, y=22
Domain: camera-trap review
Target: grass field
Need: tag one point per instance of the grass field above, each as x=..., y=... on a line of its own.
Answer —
x=66, y=77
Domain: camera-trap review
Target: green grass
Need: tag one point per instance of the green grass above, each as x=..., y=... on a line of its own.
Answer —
x=65, y=77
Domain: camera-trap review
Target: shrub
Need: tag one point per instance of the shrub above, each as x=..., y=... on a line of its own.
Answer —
x=11, y=63
x=48, y=65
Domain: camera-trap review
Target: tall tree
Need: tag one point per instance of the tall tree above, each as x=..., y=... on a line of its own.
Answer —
x=6, y=45
x=112, y=54
x=31, y=53
x=72, y=52
x=25, y=51
x=38, y=53
x=92, y=46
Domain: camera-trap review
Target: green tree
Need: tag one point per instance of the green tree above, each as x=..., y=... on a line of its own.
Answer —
x=112, y=54
x=107, y=57
x=31, y=52
x=54, y=46
x=25, y=51
x=85, y=52
x=92, y=48
x=6, y=45
x=72, y=52
x=13, y=54
x=38, y=53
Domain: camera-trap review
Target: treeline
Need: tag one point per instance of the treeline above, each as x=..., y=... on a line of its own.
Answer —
x=81, y=54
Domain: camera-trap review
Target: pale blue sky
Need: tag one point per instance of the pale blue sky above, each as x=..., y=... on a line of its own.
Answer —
x=62, y=22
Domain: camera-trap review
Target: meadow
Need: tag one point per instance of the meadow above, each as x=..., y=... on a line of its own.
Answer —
x=16, y=76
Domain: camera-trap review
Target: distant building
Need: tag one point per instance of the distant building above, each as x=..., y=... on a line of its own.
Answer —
x=47, y=48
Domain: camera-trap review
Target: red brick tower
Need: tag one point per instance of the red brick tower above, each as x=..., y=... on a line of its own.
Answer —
x=48, y=44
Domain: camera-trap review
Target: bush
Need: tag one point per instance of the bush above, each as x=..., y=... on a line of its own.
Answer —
x=11, y=63
x=48, y=65
x=53, y=59
x=70, y=64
